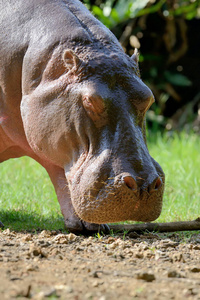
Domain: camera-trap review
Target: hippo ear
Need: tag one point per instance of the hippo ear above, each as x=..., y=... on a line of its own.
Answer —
x=135, y=56
x=71, y=60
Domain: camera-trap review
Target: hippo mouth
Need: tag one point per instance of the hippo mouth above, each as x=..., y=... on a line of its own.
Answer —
x=116, y=201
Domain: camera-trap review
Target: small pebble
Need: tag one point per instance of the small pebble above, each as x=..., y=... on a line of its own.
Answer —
x=146, y=276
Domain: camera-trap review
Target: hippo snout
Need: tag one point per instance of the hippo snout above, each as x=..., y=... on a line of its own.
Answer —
x=120, y=198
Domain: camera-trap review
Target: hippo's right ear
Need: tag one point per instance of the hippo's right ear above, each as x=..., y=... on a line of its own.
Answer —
x=71, y=60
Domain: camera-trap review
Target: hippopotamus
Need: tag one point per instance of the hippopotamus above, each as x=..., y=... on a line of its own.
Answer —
x=73, y=100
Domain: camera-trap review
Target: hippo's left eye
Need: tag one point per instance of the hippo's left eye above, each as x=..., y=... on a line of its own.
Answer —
x=147, y=104
x=142, y=105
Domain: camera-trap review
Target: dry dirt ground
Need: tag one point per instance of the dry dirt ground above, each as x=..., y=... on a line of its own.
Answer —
x=53, y=265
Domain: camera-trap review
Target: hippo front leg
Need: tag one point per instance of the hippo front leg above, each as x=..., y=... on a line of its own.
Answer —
x=72, y=221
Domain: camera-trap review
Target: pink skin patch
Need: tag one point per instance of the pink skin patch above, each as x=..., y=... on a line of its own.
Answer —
x=3, y=119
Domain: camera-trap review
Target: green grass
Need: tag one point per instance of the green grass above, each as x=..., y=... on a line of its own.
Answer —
x=28, y=200
x=27, y=197
x=179, y=156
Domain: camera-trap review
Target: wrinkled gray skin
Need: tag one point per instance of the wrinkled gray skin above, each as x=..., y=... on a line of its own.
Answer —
x=72, y=100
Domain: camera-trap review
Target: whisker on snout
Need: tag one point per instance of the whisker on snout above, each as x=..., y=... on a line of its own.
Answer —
x=65, y=187
x=140, y=178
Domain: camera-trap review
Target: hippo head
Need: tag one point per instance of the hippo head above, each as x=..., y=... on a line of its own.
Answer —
x=112, y=176
x=90, y=121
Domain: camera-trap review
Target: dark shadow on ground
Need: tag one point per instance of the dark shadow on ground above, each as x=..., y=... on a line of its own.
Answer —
x=20, y=220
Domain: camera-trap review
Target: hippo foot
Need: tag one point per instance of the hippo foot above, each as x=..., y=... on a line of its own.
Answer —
x=85, y=228
x=1, y=225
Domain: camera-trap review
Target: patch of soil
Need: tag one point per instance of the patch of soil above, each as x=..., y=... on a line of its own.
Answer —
x=65, y=266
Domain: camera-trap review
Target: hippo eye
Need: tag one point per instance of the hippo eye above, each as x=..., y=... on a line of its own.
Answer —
x=143, y=104
x=93, y=104
x=95, y=108
x=146, y=104
x=87, y=103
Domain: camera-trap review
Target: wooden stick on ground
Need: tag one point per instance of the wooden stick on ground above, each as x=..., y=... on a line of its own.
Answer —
x=158, y=227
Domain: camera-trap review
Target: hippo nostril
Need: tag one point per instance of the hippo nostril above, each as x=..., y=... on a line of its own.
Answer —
x=156, y=184
x=130, y=182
